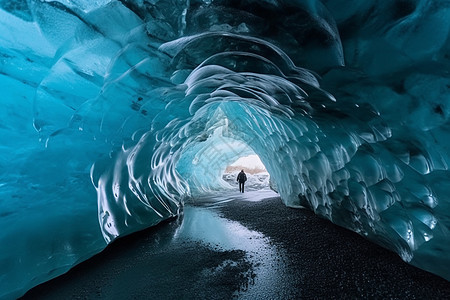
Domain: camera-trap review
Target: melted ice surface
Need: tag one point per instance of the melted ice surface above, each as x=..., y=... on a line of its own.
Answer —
x=114, y=112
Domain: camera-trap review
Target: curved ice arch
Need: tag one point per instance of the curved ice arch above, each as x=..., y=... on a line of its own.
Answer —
x=345, y=161
x=146, y=95
x=339, y=166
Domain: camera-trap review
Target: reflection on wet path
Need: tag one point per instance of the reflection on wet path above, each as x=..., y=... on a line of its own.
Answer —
x=208, y=253
x=202, y=222
x=198, y=255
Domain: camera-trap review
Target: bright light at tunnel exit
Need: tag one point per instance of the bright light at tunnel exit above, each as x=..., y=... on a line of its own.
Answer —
x=251, y=163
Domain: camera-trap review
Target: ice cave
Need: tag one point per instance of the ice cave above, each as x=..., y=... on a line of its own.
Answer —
x=113, y=111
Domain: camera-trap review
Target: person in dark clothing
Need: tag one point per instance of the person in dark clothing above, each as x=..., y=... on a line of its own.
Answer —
x=242, y=178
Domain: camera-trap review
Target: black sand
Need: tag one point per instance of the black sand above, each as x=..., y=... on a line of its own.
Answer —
x=330, y=262
x=321, y=261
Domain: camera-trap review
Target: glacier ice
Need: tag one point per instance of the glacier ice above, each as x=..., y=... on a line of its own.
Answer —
x=114, y=112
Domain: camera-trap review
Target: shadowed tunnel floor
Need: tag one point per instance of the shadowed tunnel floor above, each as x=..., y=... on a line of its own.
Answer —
x=247, y=249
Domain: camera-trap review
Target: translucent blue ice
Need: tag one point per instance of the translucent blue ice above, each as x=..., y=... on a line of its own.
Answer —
x=115, y=112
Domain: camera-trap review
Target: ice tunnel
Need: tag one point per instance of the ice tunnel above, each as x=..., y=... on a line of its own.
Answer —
x=113, y=111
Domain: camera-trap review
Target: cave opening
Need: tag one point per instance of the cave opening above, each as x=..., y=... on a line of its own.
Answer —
x=213, y=164
x=257, y=176
x=251, y=164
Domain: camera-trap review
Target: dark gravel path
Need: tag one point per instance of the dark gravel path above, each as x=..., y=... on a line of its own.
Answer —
x=320, y=261
x=149, y=265
x=330, y=262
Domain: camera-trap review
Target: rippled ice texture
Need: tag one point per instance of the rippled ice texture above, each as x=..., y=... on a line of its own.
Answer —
x=113, y=112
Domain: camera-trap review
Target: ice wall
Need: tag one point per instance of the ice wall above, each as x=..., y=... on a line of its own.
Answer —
x=114, y=111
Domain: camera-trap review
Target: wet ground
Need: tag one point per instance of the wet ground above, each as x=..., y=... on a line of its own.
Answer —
x=245, y=246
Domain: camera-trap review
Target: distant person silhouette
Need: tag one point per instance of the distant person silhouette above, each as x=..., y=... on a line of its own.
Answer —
x=242, y=178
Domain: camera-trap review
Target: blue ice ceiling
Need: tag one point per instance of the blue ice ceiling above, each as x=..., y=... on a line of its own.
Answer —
x=114, y=111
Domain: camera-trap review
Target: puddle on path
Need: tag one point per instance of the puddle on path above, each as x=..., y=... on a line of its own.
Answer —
x=198, y=255
x=205, y=225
